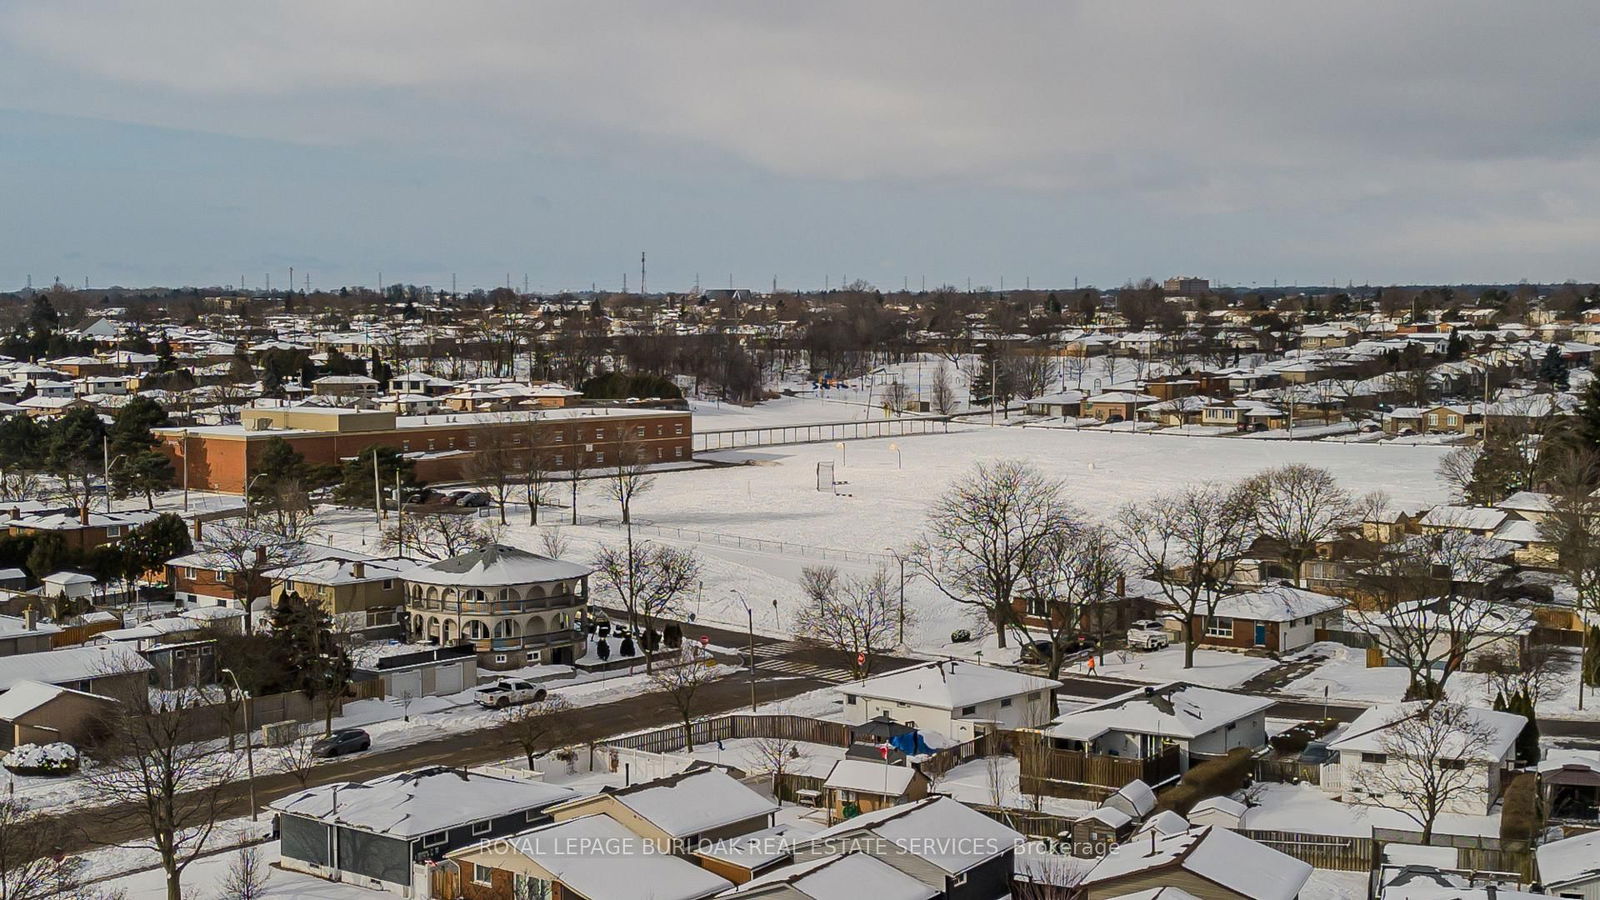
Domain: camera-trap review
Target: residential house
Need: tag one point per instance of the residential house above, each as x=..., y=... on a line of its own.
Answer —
x=345, y=386
x=25, y=634
x=33, y=712
x=1208, y=862
x=516, y=607
x=84, y=530
x=1464, y=419
x=855, y=786
x=1152, y=722
x=590, y=857
x=380, y=834
x=1370, y=743
x=1478, y=520
x=1065, y=405
x=958, y=852
x=1468, y=627
x=1116, y=406
x=959, y=700
x=1277, y=619
x=696, y=806
x=1530, y=506
x=110, y=669
x=360, y=593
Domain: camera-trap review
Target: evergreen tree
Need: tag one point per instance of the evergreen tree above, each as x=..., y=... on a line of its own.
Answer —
x=139, y=468
x=1498, y=472
x=75, y=452
x=1553, y=369
x=303, y=643
x=356, y=483
x=1528, y=739
x=21, y=436
x=48, y=556
x=1452, y=346
x=1588, y=417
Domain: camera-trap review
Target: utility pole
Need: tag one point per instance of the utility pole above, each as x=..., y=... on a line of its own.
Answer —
x=377, y=488
x=641, y=273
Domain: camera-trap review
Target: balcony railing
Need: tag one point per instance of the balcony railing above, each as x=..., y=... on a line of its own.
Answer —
x=527, y=641
x=498, y=607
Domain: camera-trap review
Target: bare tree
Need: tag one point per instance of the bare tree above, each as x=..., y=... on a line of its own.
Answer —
x=629, y=476
x=1458, y=469
x=1537, y=673
x=1424, y=622
x=297, y=758
x=896, y=396
x=539, y=727
x=942, y=391
x=1434, y=753
x=156, y=782
x=1572, y=527
x=247, y=876
x=987, y=532
x=494, y=465
x=536, y=469
x=1070, y=589
x=438, y=535
x=554, y=542
x=242, y=551
x=777, y=756
x=1034, y=372
x=649, y=579
x=679, y=683
x=32, y=866
x=859, y=616
x=1298, y=507
x=1189, y=542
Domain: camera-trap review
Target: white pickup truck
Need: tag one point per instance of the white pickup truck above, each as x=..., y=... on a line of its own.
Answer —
x=1147, y=634
x=502, y=694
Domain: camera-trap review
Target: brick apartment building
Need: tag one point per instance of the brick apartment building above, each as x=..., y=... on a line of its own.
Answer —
x=223, y=457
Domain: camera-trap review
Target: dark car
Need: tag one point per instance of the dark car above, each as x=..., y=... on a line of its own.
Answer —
x=1039, y=651
x=475, y=500
x=345, y=740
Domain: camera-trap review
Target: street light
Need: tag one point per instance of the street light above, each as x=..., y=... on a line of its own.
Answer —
x=107, y=462
x=898, y=464
x=247, y=488
x=750, y=615
x=249, y=754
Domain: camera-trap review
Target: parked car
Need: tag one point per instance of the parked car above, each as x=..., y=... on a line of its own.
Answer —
x=1147, y=634
x=960, y=636
x=345, y=740
x=475, y=500
x=1038, y=652
x=503, y=694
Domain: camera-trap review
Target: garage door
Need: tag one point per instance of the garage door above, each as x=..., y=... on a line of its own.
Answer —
x=448, y=680
x=405, y=684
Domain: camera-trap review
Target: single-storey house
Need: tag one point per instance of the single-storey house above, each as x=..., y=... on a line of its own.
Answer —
x=33, y=712
x=1276, y=618
x=1117, y=406
x=1209, y=862
x=695, y=806
x=1374, y=755
x=960, y=700
x=111, y=669
x=1570, y=867
x=1144, y=722
x=856, y=786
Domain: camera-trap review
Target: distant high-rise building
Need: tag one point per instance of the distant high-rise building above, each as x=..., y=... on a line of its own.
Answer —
x=1186, y=285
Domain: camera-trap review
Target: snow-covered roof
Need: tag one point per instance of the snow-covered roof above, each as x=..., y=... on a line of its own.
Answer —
x=27, y=696
x=411, y=804
x=942, y=831
x=693, y=802
x=1278, y=603
x=1520, y=531
x=334, y=571
x=1122, y=397
x=1527, y=501
x=1175, y=710
x=70, y=665
x=869, y=776
x=496, y=565
x=1469, y=518
x=949, y=685
x=1367, y=733
x=1164, y=823
x=846, y=876
x=14, y=625
x=1217, y=855
x=1573, y=859
x=590, y=856
x=1225, y=805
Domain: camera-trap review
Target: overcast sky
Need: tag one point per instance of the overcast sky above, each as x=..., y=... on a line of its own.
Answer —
x=198, y=143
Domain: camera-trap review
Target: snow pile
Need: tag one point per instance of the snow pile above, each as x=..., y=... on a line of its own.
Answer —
x=42, y=759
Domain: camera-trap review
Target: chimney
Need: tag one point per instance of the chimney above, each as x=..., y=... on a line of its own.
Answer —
x=197, y=529
x=261, y=557
x=16, y=512
x=358, y=569
x=83, y=515
x=1122, y=585
x=30, y=619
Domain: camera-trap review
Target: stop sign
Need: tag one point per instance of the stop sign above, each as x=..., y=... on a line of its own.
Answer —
x=861, y=659
x=705, y=640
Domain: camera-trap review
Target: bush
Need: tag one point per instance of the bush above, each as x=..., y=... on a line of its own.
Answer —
x=1212, y=778
x=50, y=760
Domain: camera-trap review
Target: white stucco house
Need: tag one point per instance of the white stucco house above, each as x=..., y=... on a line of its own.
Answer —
x=1143, y=722
x=960, y=700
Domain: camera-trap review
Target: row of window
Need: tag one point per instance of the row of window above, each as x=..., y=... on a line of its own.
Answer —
x=556, y=437
x=1445, y=763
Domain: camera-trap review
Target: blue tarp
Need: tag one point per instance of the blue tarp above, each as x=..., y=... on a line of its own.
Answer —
x=911, y=744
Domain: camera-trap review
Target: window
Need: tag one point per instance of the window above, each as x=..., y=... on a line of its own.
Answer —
x=678, y=452
x=559, y=436
x=1454, y=421
x=482, y=874
x=1377, y=759
x=958, y=879
x=638, y=431
x=472, y=442
x=451, y=443
x=1219, y=626
x=190, y=572
x=219, y=576
x=661, y=430
x=405, y=446
x=969, y=710
x=113, y=531
x=599, y=434
x=1035, y=695
x=677, y=429
x=558, y=459
x=1453, y=765
x=1005, y=701
x=388, y=584
x=430, y=443
x=481, y=828
x=850, y=699
x=531, y=816
x=499, y=657
x=436, y=839
x=599, y=459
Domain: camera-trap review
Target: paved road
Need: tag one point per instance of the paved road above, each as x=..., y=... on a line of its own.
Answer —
x=589, y=723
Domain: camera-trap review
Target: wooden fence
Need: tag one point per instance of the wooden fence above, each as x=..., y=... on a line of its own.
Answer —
x=730, y=727
x=1085, y=776
x=1287, y=771
x=1348, y=854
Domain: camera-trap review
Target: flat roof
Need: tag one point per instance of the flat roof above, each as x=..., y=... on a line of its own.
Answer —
x=435, y=420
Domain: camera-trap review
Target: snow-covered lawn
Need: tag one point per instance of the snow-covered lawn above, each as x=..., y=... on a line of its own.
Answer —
x=994, y=781
x=1345, y=676
x=205, y=875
